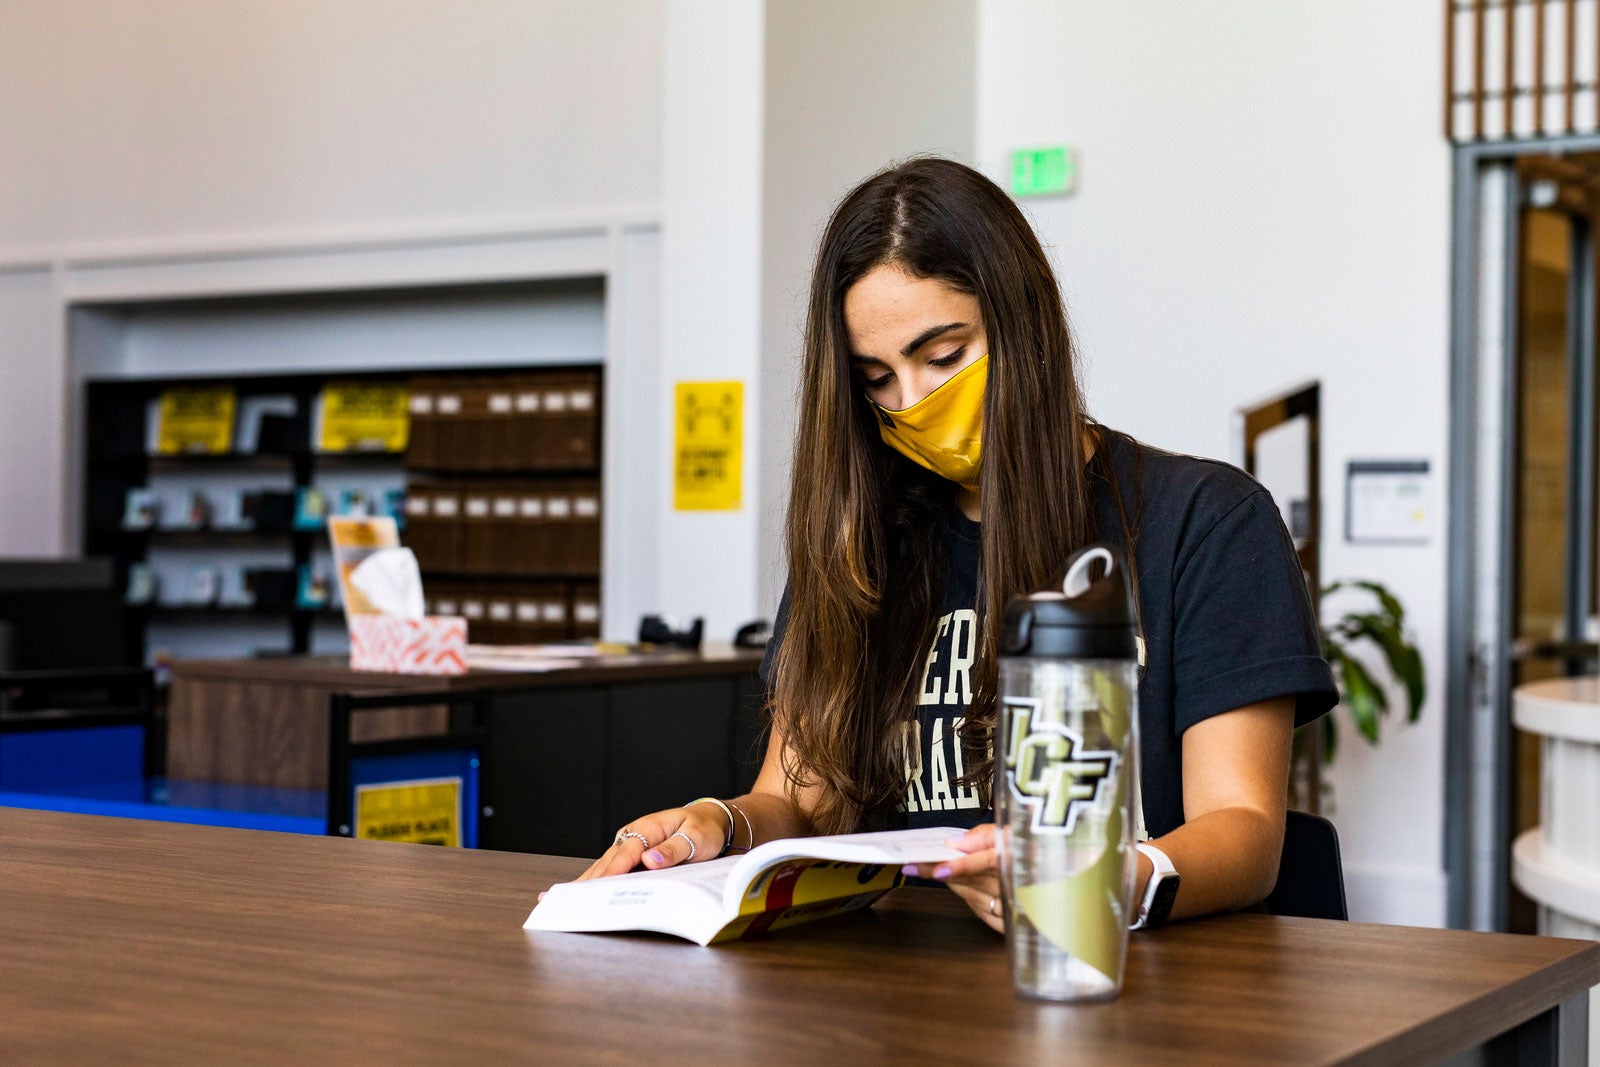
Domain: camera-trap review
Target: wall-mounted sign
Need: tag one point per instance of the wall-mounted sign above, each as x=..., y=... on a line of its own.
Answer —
x=1049, y=171
x=1388, y=502
x=709, y=442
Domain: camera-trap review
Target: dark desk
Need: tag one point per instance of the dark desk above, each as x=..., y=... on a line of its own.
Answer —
x=126, y=940
x=570, y=753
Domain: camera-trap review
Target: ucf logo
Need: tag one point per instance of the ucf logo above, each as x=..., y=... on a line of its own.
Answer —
x=1048, y=765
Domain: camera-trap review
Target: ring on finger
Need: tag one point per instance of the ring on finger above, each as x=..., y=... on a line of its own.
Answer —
x=686, y=837
x=994, y=906
x=623, y=835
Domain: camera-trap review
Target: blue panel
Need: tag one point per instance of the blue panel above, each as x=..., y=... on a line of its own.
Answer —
x=445, y=763
x=48, y=759
x=294, y=811
x=261, y=799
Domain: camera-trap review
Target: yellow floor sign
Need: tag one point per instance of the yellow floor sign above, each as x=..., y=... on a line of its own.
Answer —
x=709, y=442
x=426, y=811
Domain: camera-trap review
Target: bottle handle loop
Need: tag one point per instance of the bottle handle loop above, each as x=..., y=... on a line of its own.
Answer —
x=1077, y=581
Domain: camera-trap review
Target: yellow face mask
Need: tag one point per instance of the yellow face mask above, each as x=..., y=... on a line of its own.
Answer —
x=944, y=430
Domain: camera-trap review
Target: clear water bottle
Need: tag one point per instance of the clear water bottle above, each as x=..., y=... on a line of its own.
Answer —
x=1067, y=754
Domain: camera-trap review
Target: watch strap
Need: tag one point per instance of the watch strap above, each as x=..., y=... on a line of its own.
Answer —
x=1156, y=904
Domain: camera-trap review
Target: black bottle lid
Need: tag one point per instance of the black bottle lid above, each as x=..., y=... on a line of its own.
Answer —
x=1089, y=614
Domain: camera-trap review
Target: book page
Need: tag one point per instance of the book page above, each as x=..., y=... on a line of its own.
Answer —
x=685, y=901
x=778, y=884
x=840, y=865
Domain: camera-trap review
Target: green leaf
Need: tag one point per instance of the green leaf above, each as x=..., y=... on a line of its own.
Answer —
x=1404, y=660
x=1391, y=604
x=1416, y=678
x=1363, y=697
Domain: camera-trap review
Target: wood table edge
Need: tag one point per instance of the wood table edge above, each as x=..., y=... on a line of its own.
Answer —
x=1469, y=1025
x=277, y=672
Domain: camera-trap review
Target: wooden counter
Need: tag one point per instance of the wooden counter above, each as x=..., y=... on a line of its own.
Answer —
x=150, y=942
x=334, y=673
x=571, y=750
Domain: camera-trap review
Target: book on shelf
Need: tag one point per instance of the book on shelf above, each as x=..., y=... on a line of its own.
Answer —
x=228, y=512
x=266, y=425
x=141, y=509
x=362, y=417
x=392, y=504
x=310, y=508
x=204, y=585
x=143, y=585
x=778, y=884
x=195, y=421
x=545, y=420
x=355, y=504
x=195, y=515
x=313, y=588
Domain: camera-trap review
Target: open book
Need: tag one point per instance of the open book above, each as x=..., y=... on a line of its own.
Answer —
x=777, y=884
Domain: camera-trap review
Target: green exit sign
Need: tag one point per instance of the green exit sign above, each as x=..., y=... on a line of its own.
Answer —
x=1044, y=171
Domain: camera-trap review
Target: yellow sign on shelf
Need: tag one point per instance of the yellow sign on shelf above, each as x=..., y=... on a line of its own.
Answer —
x=707, y=473
x=196, y=421
x=364, y=418
x=426, y=811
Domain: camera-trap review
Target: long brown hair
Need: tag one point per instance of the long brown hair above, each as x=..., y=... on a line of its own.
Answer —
x=865, y=570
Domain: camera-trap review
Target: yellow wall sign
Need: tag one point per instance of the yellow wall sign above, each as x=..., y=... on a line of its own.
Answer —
x=196, y=421
x=363, y=418
x=425, y=812
x=709, y=446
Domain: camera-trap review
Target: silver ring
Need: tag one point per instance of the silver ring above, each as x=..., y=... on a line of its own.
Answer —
x=686, y=837
x=624, y=834
x=994, y=906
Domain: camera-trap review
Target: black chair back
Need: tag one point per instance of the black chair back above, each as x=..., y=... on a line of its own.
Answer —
x=1310, y=874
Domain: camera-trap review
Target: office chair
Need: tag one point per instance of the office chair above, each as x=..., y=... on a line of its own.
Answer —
x=1310, y=875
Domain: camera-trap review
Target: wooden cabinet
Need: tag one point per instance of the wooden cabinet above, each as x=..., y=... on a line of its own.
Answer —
x=568, y=755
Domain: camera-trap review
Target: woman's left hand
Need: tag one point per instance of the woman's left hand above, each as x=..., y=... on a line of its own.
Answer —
x=975, y=877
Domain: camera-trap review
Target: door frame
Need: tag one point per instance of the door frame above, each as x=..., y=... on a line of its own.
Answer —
x=1482, y=468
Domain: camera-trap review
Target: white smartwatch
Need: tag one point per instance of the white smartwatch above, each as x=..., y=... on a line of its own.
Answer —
x=1159, y=892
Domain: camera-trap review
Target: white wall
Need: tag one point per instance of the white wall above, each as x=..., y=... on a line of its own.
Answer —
x=1264, y=199
x=806, y=98
x=174, y=117
x=33, y=427
x=710, y=285
x=840, y=104
x=188, y=128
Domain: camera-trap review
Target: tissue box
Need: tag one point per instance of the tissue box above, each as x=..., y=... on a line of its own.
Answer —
x=433, y=645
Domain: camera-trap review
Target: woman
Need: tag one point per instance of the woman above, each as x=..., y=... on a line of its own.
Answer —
x=944, y=464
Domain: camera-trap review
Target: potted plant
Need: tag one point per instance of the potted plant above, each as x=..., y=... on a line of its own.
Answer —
x=1376, y=622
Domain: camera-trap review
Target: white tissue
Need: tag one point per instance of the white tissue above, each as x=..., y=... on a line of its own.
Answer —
x=391, y=579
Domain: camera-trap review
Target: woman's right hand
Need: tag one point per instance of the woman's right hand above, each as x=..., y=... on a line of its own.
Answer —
x=667, y=836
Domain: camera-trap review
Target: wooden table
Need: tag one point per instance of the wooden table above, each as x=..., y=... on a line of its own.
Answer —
x=124, y=941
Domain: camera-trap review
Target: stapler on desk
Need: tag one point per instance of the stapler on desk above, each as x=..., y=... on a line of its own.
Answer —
x=662, y=630
x=752, y=634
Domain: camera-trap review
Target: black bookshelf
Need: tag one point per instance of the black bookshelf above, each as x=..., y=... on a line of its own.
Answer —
x=118, y=460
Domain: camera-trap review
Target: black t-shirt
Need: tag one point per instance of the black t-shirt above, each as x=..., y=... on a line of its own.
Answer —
x=1223, y=610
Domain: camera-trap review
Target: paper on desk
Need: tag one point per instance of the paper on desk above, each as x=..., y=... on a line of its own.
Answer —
x=392, y=581
x=522, y=659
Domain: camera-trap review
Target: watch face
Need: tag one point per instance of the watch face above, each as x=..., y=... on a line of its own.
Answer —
x=1161, y=904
